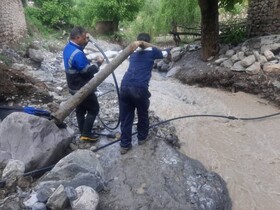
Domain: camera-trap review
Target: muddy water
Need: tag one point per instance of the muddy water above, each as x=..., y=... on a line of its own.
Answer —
x=245, y=153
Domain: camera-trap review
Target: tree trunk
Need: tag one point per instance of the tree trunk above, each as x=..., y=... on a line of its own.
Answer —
x=209, y=27
x=76, y=99
x=12, y=21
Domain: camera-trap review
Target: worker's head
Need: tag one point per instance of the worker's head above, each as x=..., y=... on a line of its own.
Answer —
x=78, y=36
x=144, y=37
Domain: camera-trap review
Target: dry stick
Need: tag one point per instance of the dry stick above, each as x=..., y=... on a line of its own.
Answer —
x=76, y=99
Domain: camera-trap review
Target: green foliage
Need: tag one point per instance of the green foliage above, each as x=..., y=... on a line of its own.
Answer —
x=34, y=24
x=116, y=10
x=184, y=13
x=54, y=13
x=158, y=16
x=145, y=21
x=86, y=15
x=230, y=4
x=5, y=59
x=233, y=33
x=38, y=3
x=100, y=10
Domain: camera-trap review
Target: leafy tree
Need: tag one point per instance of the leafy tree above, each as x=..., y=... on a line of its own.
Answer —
x=109, y=10
x=183, y=13
x=144, y=22
x=159, y=16
x=54, y=13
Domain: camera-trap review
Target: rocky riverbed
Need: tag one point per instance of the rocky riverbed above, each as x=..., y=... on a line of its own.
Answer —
x=226, y=147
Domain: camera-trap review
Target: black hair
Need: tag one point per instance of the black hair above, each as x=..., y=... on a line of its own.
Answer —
x=144, y=37
x=76, y=31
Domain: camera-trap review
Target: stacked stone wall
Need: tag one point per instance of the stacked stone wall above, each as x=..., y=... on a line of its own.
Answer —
x=263, y=17
x=12, y=21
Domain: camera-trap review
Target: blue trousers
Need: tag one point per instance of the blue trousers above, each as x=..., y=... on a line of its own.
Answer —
x=131, y=99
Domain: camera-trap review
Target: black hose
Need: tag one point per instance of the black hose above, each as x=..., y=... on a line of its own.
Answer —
x=116, y=85
x=43, y=170
x=190, y=116
x=33, y=173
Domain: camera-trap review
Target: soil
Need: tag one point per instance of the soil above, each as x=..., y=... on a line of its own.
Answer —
x=17, y=87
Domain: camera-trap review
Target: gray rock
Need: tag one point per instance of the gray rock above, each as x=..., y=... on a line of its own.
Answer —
x=43, y=194
x=71, y=193
x=173, y=71
x=248, y=61
x=58, y=199
x=11, y=202
x=254, y=68
x=13, y=168
x=230, y=53
x=30, y=201
x=156, y=176
x=176, y=53
x=228, y=63
x=36, y=55
x=269, y=55
x=271, y=68
x=87, y=198
x=44, y=141
x=80, y=167
x=241, y=55
x=39, y=206
x=237, y=67
x=220, y=60
x=235, y=58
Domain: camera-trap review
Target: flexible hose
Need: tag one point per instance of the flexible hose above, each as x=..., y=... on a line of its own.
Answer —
x=43, y=170
x=190, y=116
x=92, y=40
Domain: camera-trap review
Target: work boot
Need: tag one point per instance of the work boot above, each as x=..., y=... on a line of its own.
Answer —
x=124, y=150
x=89, y=137
x=141, y=142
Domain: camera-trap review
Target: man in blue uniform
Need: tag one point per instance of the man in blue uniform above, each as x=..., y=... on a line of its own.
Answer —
x=78, y=72
x=134, y=93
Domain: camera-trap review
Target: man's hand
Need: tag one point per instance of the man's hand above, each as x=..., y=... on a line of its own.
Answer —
x=99, y=60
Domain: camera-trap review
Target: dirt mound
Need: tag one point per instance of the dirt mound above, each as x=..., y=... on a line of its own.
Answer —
x=205, y=74
x=18, y=87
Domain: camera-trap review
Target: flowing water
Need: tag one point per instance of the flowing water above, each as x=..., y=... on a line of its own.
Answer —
x=245, y=153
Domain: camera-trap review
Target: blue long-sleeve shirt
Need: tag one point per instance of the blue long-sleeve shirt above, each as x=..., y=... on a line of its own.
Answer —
x=77, y=67
x=140, y=67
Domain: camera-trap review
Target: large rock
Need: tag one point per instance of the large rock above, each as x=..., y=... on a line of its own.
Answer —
x=80, y=167
x=34, y=140
x=156, y=176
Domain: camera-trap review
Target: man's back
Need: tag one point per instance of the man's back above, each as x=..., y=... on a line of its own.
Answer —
x=140, y=67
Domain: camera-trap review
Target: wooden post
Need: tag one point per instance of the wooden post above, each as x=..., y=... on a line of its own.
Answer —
x=76, y=99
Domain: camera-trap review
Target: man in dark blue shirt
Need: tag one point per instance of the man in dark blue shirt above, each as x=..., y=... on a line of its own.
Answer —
x=134, y=93
x=78, y=72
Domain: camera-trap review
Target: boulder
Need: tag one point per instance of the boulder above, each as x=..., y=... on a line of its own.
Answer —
x=34, y=140
x=157, y=176
x=80, y=167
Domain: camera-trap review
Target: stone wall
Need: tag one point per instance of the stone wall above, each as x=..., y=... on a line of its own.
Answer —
x=12, y=21
x=263, y=17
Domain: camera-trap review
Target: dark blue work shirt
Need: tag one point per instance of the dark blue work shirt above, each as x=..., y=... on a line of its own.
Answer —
x=140, y=67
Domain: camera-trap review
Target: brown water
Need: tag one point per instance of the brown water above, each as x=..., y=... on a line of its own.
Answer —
x=245, y=153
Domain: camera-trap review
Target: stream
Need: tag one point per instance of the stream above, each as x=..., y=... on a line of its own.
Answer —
x=245, y=153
